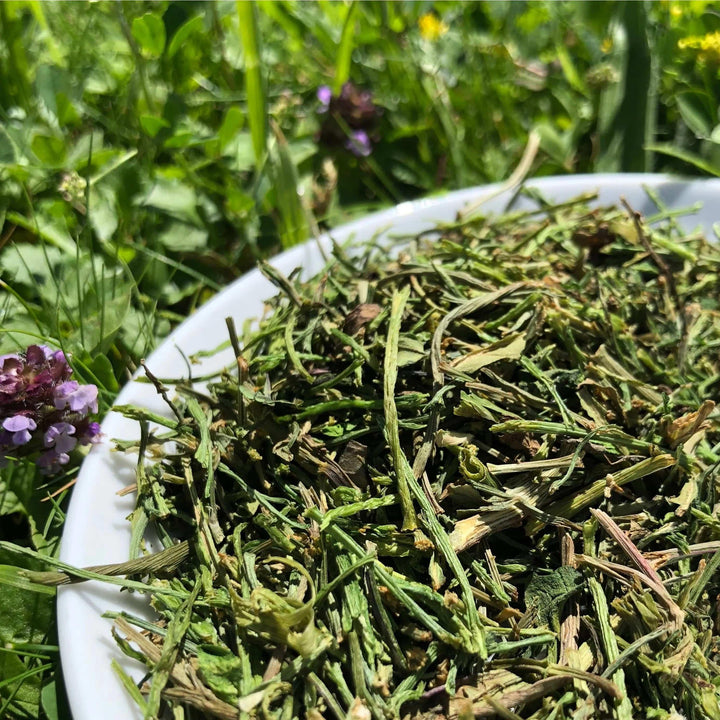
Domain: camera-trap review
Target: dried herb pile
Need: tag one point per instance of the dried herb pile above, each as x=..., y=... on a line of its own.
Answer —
x=478, y=478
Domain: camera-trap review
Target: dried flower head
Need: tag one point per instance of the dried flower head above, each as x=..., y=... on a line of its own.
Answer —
x=43, y=413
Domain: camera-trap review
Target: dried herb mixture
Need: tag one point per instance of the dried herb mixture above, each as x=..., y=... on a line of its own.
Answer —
x=476, y=479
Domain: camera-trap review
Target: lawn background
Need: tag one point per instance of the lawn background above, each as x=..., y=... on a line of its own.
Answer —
x=151, y=152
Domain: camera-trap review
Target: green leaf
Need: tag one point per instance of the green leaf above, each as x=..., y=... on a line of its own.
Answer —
x=21, y=686
x=238, y=203
x=149, y=32
x=101, y=319
x=24, y=615
x=175, y=198
x=181, y=139
x=232, y=122
x=510, y=347
x=88, y=147
x=102, y=212
x=49, y=149
x=7, y=149
x=67, y=112
x=103, y=371
x=293, y=220
x=556, y=145
x=50, y=81
x=410, y=351
x=127, y=682
x=152, y=124
x=695, y=113
x=31, y=265
x=686, y=156
x=301, y=150
x=49, y=700
x=46, y=227
x=571, y=73
x=222, y=673
x=181, y=237
x=546, y=594
x=16, y=487
x=184, y=32
x=241, y=150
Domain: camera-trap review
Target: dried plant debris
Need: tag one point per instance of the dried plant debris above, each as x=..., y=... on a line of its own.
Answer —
x=476, y=477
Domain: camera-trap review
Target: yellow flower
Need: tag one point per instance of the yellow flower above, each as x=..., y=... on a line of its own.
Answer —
x=607, y=45
x=431, y=26
x=707, y=46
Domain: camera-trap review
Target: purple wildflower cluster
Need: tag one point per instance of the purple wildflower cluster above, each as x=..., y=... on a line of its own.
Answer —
x=43, y=412
x=350, y=118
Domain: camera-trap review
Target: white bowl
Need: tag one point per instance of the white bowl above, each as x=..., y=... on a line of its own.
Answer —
x=96, y=529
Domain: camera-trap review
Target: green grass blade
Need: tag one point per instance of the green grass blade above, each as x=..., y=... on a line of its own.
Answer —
x=687, y=156
x=257, y=109
x=294, y=227
x=627, y=108
x=130, y=686
x=347, y=42
x=16, y=577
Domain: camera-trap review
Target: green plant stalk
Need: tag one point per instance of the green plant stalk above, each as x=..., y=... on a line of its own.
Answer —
x=83, y=574
x=707, y=573
x=571, y=506
x=622, y=709
x=393, y=581
x=176, y=630
x=392, y=432
x=408, y=485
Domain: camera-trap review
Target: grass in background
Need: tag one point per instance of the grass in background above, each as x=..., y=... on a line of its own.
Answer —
x=150, y=153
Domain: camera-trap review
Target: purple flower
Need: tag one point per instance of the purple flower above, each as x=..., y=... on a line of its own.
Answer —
x=350, y=119
x=58, y=437
x=20, y=427
x=359, y=143
x=51, y=461
x=36, y=394
x=360, y=105
x=62, y=393
x=80, y=398
x=9, y=356
x=324, y=95
x=9, y=384
x=10, y=367
x=38, y=354
x=91, y=435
